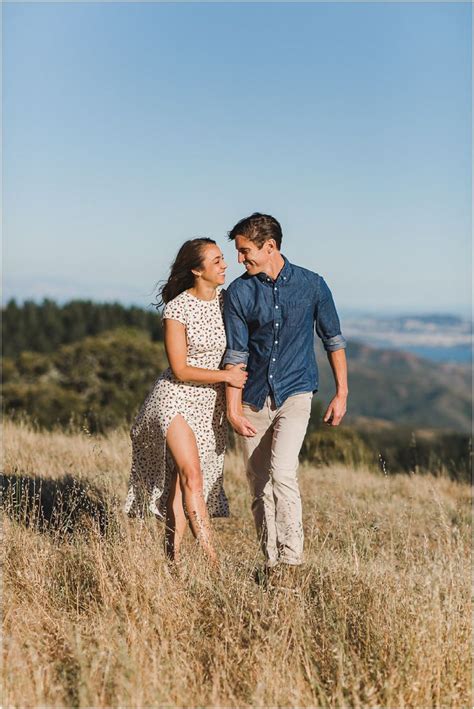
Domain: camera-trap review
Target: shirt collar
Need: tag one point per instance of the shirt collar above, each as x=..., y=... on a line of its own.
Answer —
x=282, y=277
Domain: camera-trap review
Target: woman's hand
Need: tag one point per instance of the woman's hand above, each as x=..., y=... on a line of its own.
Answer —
x=236, y=376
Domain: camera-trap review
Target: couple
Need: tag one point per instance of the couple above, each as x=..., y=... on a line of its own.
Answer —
x=245, y=354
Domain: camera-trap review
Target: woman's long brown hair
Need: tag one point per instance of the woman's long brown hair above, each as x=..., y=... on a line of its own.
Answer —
x=190, y=256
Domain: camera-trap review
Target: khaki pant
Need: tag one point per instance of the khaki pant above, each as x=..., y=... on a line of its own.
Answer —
x=271, y=458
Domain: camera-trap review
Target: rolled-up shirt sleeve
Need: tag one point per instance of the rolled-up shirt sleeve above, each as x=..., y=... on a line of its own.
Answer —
x=327, y=320
x=237, y=332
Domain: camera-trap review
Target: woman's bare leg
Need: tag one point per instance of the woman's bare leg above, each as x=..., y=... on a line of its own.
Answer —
x=182, y=445
x=175, y=520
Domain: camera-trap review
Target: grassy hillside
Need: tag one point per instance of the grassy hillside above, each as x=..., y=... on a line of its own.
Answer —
x=101, y=381
x=387, y=385
x=92, y=616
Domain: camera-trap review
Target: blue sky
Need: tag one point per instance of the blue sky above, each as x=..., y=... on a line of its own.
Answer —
x=131, y=127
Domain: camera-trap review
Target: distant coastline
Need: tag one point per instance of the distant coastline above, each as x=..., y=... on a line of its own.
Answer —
x=437, y=337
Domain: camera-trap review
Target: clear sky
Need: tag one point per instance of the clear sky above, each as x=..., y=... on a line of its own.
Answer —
x=130, y=127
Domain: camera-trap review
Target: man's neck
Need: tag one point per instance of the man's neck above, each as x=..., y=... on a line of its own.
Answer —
x=274, y=268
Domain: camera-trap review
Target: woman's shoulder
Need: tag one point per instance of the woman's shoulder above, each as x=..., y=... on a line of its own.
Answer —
x=181, y=298
x=175, y=309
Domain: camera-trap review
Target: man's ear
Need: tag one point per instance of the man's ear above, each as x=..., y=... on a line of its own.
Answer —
x=271, y=245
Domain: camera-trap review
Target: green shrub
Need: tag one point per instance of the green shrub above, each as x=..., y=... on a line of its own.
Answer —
x=99, y=381
x=325, y=446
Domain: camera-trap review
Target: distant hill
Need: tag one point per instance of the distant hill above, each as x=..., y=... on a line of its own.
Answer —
x=400, y=387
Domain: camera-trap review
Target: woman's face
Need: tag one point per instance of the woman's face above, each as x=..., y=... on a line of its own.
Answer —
x=213, y=266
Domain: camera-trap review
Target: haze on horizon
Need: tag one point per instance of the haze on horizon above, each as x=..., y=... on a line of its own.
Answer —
x=129, y=128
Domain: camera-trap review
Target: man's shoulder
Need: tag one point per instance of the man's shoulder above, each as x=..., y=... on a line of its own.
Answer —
x=240, y=284
x=305, y=274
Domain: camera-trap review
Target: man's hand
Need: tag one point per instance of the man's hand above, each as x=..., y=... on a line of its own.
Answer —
x=336, y=410
x=338, y=405
x=242, y=426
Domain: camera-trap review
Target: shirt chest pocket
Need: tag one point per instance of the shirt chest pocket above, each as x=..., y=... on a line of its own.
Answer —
x=297, y=312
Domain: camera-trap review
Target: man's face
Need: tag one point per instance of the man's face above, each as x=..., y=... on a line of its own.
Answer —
x=254, y=259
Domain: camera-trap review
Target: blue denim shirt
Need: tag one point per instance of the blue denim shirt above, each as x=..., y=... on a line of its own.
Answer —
x=270, y=328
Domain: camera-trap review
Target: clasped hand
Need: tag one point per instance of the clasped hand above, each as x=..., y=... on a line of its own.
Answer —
x=237, y=376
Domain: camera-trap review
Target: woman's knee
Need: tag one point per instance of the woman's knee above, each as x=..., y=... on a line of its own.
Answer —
x=191, y=477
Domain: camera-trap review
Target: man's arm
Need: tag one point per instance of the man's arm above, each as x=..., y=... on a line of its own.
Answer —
x=338, y=405
x=235, y=416
x=329, y=330
x=236, y=354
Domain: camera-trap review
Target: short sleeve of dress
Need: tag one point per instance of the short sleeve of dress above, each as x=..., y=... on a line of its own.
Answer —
x=175, y=310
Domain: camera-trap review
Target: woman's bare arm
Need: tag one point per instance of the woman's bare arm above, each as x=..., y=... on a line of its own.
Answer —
x=176, y=351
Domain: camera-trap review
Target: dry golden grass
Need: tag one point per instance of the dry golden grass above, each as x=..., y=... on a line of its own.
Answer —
x=92, y=619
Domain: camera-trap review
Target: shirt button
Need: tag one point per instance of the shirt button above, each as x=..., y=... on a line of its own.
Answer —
x=276, y=324
x=276, y=342
x=275, y=288
x=271, y=376
x=276, y=306
x=273, y=360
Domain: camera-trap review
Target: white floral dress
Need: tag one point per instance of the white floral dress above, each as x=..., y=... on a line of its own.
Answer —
x=201, y=405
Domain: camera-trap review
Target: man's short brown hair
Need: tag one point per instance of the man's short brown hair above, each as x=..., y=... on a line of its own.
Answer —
x=258, y=228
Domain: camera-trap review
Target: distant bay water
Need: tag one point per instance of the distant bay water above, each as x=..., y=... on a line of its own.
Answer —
x=440, y=338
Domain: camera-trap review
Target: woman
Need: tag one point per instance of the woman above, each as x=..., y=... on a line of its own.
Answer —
x=179, y=435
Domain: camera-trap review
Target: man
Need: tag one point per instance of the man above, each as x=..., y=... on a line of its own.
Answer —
x=270, y=314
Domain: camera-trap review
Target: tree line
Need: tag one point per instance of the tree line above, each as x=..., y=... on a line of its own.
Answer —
x=44, y=327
